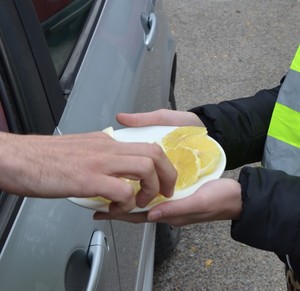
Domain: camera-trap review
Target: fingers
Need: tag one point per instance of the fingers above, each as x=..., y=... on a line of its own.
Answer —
x=159, y=117
x=218, y=199
x=172, y=212
x=139, y=119
x=114, y=189
x=150, y=165
x=169, y=212
x=141, y=169
x=175, y=213
x=129, y=217
x=103, y=166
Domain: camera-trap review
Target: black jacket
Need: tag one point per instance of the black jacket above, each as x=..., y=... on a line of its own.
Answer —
x=270, y=218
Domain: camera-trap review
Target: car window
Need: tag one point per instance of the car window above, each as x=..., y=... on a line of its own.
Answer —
x=62, y=22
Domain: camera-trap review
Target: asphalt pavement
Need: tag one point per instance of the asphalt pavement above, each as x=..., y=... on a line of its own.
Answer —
x=226, y=49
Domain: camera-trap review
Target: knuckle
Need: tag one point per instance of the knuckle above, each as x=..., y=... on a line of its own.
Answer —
x=127, y=193
x=147, y=195
x=147, y=166
x=174, y=175
x=156, y=150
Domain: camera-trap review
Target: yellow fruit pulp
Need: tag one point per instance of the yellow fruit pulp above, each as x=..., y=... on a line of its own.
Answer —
x=206, y=149
x=179, y=134
x=192, y=153
x=187, y=164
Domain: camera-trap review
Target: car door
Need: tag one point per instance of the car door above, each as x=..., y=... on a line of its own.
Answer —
x=127, y=68
x=46, y=244
x=76, y=65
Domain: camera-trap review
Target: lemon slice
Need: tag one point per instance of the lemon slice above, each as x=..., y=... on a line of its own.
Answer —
x=99, y=199
x=207, y=150
x=192, y=153
x=187, y=163
x=179, y=134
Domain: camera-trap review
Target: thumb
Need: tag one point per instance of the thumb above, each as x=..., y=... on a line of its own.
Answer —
x=137, y=119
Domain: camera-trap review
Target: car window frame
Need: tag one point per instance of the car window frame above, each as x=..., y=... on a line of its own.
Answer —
x=69, y=74
x=32, y=30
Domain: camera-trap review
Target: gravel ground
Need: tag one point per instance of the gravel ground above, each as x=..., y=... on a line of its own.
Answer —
x=226, y=49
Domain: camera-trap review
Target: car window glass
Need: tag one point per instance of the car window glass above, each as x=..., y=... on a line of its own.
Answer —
x=62, y=21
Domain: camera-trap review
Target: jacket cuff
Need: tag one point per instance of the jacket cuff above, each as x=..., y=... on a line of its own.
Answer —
x=270, y=218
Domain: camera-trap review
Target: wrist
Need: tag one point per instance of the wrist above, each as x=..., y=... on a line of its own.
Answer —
x=235, y=207
x=8, y=160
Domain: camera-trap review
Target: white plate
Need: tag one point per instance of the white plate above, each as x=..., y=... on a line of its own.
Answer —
x=152, y=134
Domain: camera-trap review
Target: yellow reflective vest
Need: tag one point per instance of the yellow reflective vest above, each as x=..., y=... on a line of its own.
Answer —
x=282, y=147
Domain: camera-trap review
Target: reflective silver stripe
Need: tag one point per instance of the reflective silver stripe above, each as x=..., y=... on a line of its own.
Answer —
x=277, y=154
x=281, y=160
x=290, y=91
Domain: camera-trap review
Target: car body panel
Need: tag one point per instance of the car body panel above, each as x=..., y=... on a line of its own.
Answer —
x=102, y=98
x=27, y=243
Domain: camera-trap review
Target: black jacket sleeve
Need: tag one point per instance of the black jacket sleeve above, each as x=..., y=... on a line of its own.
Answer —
x=270, y=218
x=240, y=126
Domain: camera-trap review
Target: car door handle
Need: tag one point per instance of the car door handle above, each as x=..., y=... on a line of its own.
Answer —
x=149, y=24
x=95, y=254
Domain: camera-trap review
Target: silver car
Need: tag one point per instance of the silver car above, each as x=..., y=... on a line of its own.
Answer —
x=70, y=66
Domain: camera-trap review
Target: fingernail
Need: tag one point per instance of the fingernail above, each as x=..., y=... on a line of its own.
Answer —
x=154, y=215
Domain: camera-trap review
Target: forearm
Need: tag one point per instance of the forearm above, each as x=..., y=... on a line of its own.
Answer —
x=240, y=125
x=84, y=165
x=27, y=162
x=270, y=215
x=11, y=162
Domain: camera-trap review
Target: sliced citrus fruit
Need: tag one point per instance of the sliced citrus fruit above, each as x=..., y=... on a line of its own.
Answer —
x=210, y=155
x=187, y=163
x=206, y=149
x=203, y=157
x=100, y=199
x=179, y=134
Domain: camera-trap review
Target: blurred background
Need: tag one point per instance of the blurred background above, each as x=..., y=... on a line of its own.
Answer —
x=226, y=49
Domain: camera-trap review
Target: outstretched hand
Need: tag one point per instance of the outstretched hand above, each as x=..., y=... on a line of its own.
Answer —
x=216, y=200
x=84, y=165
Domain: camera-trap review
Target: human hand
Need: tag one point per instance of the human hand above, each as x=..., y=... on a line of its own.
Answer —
x=216, y=200
x=159, y=117
x=84, y=165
